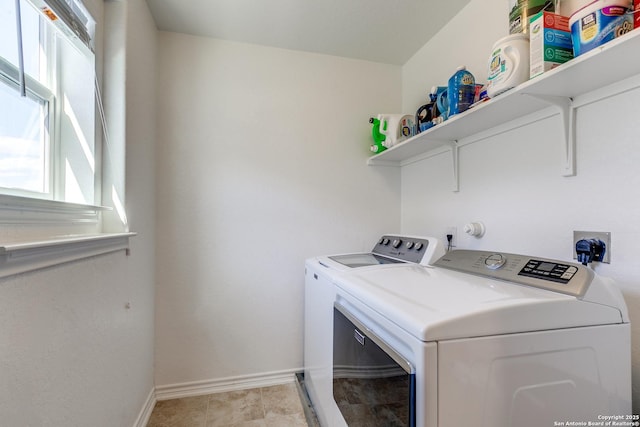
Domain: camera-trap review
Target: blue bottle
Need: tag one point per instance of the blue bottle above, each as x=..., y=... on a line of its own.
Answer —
x=460, y=91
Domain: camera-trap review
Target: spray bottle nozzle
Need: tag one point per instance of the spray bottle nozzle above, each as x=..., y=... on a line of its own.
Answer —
x=589, y=250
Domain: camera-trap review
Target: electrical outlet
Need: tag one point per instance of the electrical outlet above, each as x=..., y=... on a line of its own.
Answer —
x=605, y=236
x=454, y=241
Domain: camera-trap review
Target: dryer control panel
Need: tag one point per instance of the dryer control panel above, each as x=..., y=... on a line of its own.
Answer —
x=409, y=249
x=558, y=276
x=547, y=270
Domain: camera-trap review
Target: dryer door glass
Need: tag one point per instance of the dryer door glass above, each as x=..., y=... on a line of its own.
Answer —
x=372, y=384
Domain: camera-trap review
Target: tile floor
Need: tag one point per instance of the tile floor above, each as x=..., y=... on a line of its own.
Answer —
x=275, y=406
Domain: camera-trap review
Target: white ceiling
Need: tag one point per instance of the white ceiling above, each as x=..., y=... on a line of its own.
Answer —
x=388, y=31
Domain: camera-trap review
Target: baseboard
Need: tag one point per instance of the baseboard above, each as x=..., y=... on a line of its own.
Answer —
x=198, y=388
x=147, y=409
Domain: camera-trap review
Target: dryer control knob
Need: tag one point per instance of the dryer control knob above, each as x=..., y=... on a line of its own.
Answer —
x=409, y=245
x=495, y=261
x=396, y=243
x=419, y=246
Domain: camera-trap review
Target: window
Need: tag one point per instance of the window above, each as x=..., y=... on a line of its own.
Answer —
x=50, y=179
x=47, y=137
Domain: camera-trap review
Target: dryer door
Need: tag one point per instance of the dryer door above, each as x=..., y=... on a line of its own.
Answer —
x=372, y=383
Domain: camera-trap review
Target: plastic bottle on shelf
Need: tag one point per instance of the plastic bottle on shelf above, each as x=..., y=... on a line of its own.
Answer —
x=461, y=91
x=378, y=138
x=426, y=113
x=391, y=129
x=509, y=64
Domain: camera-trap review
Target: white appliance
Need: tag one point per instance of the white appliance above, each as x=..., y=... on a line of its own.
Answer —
x=484, y=339
x=321, y=274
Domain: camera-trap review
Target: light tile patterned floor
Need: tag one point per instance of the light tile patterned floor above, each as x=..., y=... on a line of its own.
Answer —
x=276, y=406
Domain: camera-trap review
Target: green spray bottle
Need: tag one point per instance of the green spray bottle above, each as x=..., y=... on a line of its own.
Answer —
x=378, y=138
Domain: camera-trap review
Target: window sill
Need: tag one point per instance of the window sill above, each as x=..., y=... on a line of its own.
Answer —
x=21, y=257
x=26, y=210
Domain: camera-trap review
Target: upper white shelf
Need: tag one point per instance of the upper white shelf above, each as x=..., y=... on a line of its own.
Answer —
x=617, y=60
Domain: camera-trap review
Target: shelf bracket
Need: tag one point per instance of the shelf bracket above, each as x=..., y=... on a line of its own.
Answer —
x=455, y=156
x=568, y=117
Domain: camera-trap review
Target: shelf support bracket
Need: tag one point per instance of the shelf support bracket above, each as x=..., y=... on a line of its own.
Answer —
x=455, y=156
x=568, y=117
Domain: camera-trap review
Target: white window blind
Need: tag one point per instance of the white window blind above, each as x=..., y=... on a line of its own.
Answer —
x=70, y=17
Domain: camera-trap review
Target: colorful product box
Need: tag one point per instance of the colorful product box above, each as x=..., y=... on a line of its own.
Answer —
x=549, y=42
x=636, y=15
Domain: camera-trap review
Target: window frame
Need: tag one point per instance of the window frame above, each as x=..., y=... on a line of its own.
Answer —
x=36, y=91
x=53, y=93
x=39, y=231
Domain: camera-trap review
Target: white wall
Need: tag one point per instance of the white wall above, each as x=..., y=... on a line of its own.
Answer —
x=69, y=345
x=513, y=183
x=261, y=164
x=71, y=353
x=140, y=200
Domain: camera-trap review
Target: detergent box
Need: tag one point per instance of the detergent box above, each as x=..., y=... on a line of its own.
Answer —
x=636, y=16
x=549, y=42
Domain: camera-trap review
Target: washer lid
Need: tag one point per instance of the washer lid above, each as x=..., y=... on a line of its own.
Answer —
x=388, y=251
x=363, y=260
x=435, y=304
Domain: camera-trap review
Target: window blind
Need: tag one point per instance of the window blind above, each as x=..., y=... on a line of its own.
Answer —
x=69, y=16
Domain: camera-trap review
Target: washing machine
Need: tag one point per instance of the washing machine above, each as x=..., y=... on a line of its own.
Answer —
x=479, y=338
x=390, y=252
